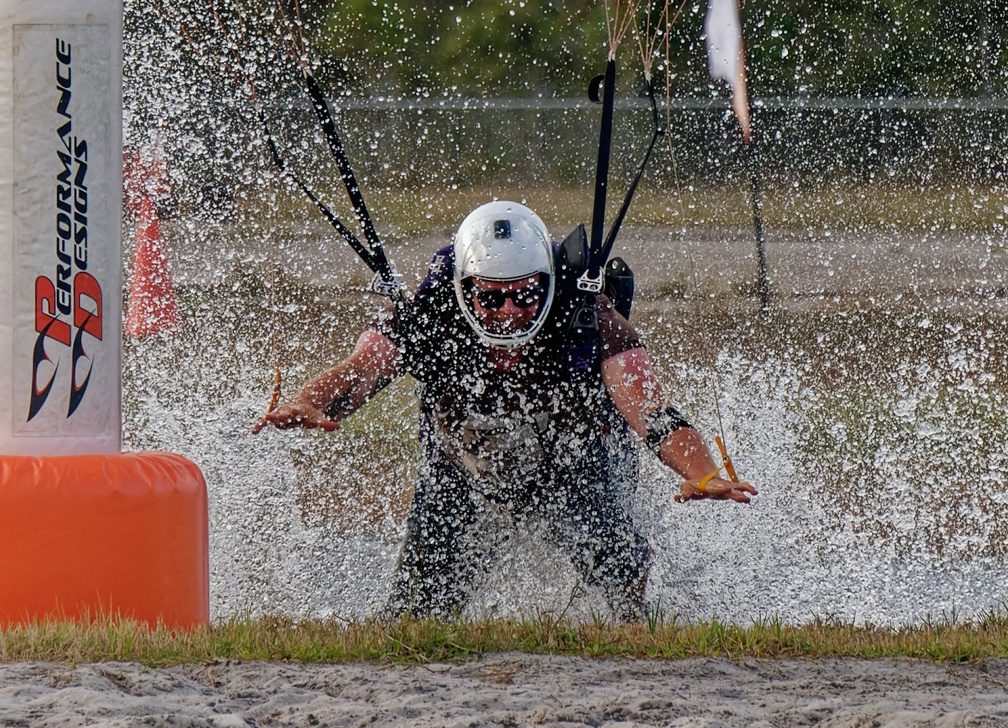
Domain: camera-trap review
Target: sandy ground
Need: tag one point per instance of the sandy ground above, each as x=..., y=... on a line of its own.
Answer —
x=511, y=690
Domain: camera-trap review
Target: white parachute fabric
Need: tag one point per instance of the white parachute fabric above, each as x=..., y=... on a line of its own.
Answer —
x=726, y=55
x=60, y=225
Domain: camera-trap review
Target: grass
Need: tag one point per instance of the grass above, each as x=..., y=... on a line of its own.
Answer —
x=411, y=641
x=407, y=213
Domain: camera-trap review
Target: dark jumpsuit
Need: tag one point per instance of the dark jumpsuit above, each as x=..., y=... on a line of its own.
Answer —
x=544, y=441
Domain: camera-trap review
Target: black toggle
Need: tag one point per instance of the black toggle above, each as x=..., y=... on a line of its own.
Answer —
x=595, y=89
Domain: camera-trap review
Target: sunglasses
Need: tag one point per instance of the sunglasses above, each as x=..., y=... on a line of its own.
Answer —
x=521, y=297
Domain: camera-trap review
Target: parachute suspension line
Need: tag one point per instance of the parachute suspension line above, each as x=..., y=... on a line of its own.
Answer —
x=217, y=17
x=668, y=105
x=647, y=41
x=295, y=39
x=300, y=25
x=184, y=22
x=619, y=21
x=287, y=41
x=250, y=77
x=592, y=279
x=711, y=378
x=288, y=33
x=181, y=30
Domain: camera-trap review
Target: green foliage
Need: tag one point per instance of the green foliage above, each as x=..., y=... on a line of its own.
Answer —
x=502, y=47
x=883, y=48
x=506, y=47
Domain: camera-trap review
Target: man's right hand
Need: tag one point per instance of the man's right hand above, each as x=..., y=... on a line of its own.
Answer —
x=296, y=414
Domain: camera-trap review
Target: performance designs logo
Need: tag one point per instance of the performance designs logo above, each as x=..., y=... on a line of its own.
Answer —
x=68, y=305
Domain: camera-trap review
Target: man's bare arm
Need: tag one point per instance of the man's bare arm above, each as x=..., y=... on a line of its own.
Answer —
x=337, y=393
x=637, y=393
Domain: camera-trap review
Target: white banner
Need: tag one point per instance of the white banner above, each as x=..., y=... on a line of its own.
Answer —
x=60, y=213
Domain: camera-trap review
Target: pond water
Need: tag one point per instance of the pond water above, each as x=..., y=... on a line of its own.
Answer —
x=869, y=415
x=869, y=407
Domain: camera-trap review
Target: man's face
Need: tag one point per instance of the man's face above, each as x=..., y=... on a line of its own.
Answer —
x=506, y=307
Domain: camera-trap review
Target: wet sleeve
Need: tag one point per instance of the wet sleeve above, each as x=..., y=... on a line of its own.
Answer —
x=616, y=334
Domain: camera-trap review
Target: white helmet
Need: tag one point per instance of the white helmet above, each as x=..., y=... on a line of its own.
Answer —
x=503, y=241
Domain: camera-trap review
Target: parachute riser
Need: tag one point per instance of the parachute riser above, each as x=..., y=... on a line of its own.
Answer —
x=387, y=282
x=592, y=280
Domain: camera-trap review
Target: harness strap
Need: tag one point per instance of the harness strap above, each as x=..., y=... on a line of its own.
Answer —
x=598, y=253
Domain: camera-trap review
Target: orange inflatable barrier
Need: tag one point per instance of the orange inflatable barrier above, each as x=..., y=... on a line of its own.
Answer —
x=87, y=536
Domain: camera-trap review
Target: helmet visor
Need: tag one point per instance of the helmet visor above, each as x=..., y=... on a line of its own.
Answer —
x=506, y=308
x=493, y=299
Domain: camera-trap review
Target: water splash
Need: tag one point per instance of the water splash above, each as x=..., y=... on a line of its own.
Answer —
x=870, y=412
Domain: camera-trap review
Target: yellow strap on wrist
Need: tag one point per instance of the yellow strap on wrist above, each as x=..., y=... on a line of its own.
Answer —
x=702, y=485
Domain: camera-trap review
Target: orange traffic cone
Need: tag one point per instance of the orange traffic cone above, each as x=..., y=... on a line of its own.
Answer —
x=151, y=306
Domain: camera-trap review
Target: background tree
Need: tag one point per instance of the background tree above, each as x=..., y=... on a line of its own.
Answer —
x=861, y=48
